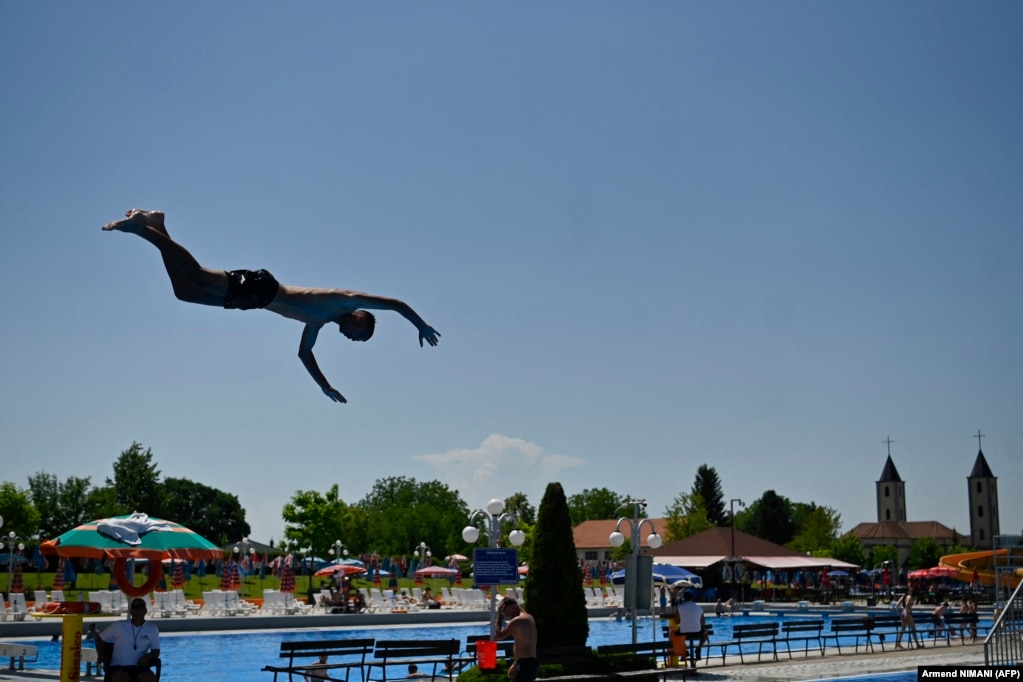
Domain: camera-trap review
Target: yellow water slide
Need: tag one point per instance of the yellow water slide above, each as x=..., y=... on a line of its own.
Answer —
x=983, y=564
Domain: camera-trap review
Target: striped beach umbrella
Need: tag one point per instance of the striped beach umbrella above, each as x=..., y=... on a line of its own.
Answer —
x=225, y=578
x=58, y=577
x=236, y=578
x=178, y=576
x=17, y=583
x=287, y=576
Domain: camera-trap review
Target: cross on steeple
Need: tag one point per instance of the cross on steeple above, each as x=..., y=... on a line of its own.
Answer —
x=978, y=437
x=888, y=441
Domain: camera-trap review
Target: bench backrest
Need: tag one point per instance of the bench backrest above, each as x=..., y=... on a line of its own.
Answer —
x=852, y=624
x=959, y=618
x=887, y=622
x=416, y=648
x=637, y=648
x=330, y=647
x=748, y=630
x=803, y=626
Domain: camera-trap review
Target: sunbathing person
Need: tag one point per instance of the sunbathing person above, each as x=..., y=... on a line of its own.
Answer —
x=247, y=289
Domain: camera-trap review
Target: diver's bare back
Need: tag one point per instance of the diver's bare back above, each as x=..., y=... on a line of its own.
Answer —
x=316, y=306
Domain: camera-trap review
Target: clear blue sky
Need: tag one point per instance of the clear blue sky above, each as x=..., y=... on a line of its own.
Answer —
x=760, y=236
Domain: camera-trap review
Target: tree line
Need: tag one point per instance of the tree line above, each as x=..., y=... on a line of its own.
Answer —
x=400, y=514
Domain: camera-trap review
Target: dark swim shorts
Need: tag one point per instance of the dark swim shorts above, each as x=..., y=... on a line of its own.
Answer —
x=248, y=289
x=526, y=669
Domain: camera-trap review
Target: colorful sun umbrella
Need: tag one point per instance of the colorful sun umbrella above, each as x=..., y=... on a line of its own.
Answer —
x=120, y=537
x=178, y=576
x=339, y=570
x=287, y=576
x=943, y=572
x=436, y=572
x=135, y=536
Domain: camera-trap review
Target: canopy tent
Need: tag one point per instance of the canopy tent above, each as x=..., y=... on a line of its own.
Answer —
x=715, y=545
x=693, y=561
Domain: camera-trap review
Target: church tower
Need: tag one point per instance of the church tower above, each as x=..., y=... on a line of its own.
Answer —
x=983, y=496
x=891, y=494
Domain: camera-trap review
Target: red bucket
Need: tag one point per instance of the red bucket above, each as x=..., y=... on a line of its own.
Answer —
x=486, y=654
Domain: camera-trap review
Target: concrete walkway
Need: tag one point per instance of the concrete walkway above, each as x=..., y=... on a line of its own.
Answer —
x=846, y=665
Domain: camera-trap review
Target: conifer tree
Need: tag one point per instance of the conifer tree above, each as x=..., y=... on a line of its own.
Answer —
x=554, y=587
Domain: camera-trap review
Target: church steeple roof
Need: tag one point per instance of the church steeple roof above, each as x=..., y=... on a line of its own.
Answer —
x=890, y=474
x=980, y=467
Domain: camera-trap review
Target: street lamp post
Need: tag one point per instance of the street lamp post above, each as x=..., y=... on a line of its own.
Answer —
x=731, y=508
x=338, y=550
x=494, y=515
x=422, y=551
x=245, y=549
x=617, y=540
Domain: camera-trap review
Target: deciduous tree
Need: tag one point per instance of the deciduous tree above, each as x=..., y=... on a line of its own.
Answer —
x=402, y=512
x=769, y=518
x=687, y=515
x=62, y=505
x=17, y=510
x=596, y=503
x=213, y=514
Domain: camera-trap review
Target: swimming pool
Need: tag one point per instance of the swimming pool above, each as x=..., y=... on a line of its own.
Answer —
x=241, y=655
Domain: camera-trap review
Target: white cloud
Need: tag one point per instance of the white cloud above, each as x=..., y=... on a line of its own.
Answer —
x=499, y=467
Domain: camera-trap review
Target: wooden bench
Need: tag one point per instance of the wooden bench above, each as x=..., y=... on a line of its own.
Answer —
x=656, y=650
x=802, y=631
x=884, y=626
x=662, y=649
x=355, y=650
x=422, y=652
x=857, y=628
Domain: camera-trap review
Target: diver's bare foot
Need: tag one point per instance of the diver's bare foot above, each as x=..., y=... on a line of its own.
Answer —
x=135, y=223
x=153, y=219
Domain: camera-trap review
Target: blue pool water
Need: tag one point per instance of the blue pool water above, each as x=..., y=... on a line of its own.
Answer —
x=905, y=676
x=240, y=655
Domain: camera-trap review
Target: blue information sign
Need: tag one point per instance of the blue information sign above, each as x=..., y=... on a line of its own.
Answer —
x=495, y=567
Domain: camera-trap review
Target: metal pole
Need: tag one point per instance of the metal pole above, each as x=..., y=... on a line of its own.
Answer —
x=731, y=507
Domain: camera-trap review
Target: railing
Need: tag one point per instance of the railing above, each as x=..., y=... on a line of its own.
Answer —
x=1004, y=643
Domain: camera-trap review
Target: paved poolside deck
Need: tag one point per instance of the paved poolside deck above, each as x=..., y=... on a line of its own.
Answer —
x=798, y=670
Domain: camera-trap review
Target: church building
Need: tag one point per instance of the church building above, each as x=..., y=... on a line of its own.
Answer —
x=894, y=528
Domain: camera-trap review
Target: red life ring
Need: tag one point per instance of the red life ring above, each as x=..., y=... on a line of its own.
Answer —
x=121, y=576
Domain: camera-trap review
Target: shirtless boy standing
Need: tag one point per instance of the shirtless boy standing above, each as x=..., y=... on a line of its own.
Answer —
x=521, y=628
